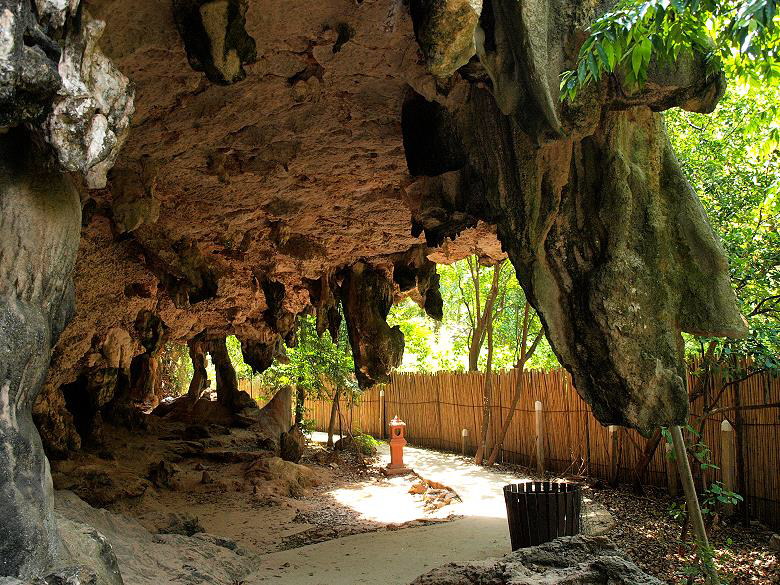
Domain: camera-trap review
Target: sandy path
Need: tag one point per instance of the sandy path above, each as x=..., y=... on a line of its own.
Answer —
x=397, y=557
x=392, y=557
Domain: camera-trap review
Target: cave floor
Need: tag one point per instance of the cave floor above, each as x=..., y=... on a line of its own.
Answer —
x=334, y=520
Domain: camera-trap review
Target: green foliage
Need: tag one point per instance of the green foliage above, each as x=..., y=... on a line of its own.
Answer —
x=741, y=35
x=432, y=346
x=365, y=444
x=309, y=425
x=243, y=371
x=314, y=358
x=732, y=160
x=716, y=496
x=175, y=369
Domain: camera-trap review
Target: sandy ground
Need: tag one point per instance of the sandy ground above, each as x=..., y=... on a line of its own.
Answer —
x=398, y=557
x=346, y=524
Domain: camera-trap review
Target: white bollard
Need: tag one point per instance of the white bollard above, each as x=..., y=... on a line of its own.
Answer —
x=539, y=415
x=728, y=456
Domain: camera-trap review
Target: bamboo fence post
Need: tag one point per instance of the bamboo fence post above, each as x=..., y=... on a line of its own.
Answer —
x=614, y=454
x=440, y=438
x=382, y=413
x=539, y=417
x=727, y=461
x=694, y=511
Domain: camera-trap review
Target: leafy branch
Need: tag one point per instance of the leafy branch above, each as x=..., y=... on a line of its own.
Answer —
x=743, y=35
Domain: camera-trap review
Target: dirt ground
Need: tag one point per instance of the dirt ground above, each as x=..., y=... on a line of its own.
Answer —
x=647, y=532
x=175, y=479
x=228, y=485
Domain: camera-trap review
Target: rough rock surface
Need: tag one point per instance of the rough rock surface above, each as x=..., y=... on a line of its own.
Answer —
x=279, y=166
x=584, y=560
x=609, y=242
x=39, y=223
x=253, y=194
x=151, y=559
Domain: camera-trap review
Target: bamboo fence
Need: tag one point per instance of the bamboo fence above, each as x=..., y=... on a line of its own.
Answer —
x=438, y=407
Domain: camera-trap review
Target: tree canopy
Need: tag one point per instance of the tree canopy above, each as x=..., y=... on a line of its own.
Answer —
x=740, y=36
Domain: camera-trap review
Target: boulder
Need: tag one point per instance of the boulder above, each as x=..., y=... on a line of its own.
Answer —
x=774, y=543
x=580, y=560
x=292, y=444
x=161, y=474
x=275, y=417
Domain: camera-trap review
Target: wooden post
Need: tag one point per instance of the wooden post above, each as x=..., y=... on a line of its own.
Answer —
x=464, y=436
x=438, y=415
x=382, y=430
x=614, y=454
x=671, y=471
x=539, y=415
x=694, y=511
x=727, y=461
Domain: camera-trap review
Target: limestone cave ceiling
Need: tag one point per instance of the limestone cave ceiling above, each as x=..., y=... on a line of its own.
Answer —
x=243, y=163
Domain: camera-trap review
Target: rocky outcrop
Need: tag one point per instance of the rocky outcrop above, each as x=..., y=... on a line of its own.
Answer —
x=200, y=380
x=29, y=80
x=91, y=115
x=572, y=559
x=145, y=558
x=39, y=222
x=588, y=201
x=215, y=37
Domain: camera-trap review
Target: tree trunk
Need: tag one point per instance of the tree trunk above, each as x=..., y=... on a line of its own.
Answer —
x=486, y=400
x=525, y=355
x=300, y=404
x=484, y=317
x=333, y=413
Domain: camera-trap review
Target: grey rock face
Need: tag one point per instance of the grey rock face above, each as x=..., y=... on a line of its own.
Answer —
x=40, y=219
x=86, y=101
x=28, y=65
x=90, y=549
x=572, y=559
x=609, y=241
x=91, y=115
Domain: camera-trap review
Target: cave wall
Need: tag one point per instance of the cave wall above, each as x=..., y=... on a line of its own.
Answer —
x=39, y=224
x=223, y=168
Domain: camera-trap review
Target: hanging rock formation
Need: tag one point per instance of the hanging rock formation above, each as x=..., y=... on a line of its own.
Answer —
x=377, y=348
x=276, y=167
x=609, y=242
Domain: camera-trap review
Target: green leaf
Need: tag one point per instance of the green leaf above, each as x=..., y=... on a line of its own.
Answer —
x=636, y=61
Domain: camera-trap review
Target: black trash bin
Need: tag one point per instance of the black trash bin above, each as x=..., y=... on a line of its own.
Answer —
x=540, y=511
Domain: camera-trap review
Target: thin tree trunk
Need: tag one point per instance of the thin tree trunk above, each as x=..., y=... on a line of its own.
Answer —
x=525, y=355
x=486, y=400
x=484, y=316
x=300, y=401
x=647, y=456
x=333, y=413
x=694, y=511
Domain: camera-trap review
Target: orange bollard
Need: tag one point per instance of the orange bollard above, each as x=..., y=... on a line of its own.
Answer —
x=397, y=442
